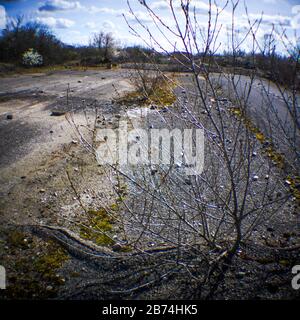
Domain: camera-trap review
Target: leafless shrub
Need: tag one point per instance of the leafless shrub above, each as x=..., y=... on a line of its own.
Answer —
x=208, y=217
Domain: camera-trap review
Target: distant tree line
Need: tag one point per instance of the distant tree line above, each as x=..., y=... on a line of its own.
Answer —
x=19, y=36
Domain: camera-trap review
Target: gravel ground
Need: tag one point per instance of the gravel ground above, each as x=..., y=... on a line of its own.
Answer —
x=37, y=150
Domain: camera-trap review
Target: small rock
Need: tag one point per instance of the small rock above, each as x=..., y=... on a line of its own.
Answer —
x=49, y=288
x=116, y=247
x=74, y=141
x=9, y=117
x=42, y=190
x=57, y=113
x=255, y=178
x=178, y=165
x=188, y=182
x=79, y=81
x=287, y=182
x=267, y=176
x=240, y=275
x=153, y=172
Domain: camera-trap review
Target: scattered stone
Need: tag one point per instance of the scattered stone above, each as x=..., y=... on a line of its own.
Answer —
x=254, y=154
x=74, y=141
x=240, y=275
x=51, y=131
x=222, y=99
x=9, y=117
x=79, y=81
x=287, y=182
x=188, y=182
x=153, y=171
x=116, y=247
x=267, y=176
x=178, y=165
x=42, y=190
x=49, y=288
x=57, y=113
x=255, y=178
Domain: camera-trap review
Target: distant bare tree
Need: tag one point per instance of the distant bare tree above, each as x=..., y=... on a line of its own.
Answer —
x=105, y=44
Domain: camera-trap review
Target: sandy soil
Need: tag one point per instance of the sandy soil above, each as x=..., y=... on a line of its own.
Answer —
x=33, y=143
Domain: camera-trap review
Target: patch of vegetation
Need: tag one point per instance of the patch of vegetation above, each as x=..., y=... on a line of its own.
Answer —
x=100, y=226
x=48, y=263
x=151, y=89
x=32, y=267
x=17, y=239
x=269, y=150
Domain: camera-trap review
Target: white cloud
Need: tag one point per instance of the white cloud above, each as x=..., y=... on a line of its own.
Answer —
x=270, y=1
x=90, y=25
x=108, y=25
x=60, y=5
x=142, y=17
x=94, y=10
x=272, y=19
x=59, y=23
x=76, y=37
x=159, y=5
x=2, y=17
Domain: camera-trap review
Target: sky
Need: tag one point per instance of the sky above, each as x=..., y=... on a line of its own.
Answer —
x=74, y=21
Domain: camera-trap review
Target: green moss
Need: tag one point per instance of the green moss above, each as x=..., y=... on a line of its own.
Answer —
x=34, y=276
x=126, y=249
x=17, y=239
x=101, y=224
x=48, y=263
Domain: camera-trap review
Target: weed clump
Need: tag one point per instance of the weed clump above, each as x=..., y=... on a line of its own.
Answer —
x=100, y=226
